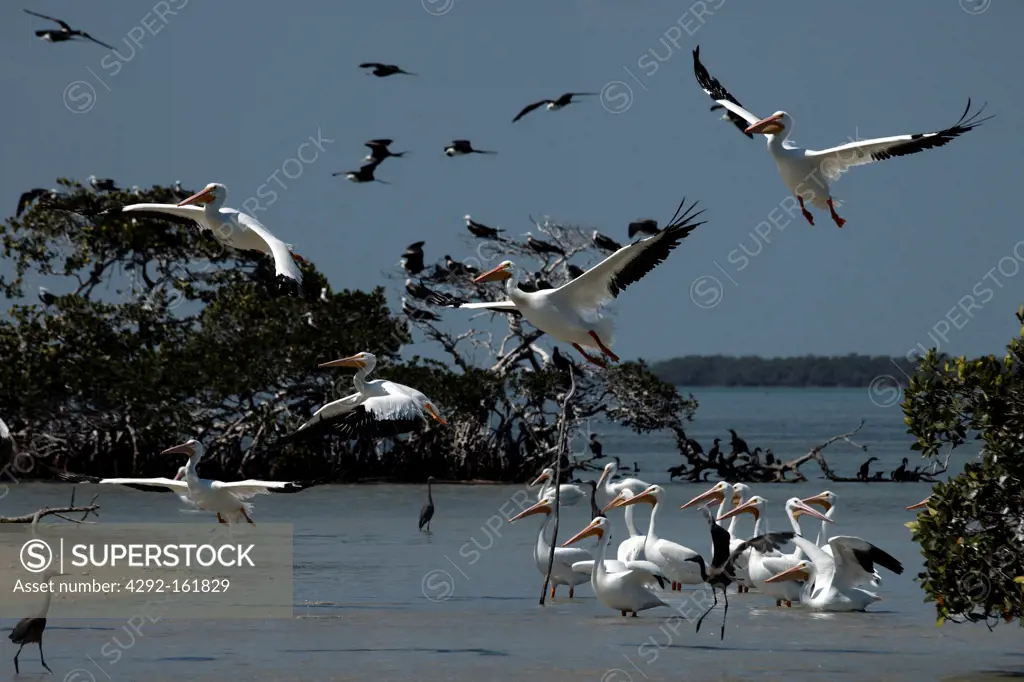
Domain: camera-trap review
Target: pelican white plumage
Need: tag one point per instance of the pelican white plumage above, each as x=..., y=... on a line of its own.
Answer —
x=230, y=227
x=6, y=445
x=571, y=313
x=378, y=408
x=829, y=580
x=568, y=493
x=634, y=485
x=632, y=548
x=627, y=590
x=827, y=501
x=737, y=494
x=761, y=565
x=562, y=572
x=804, y=169
x=675, y=560
x=226, y=498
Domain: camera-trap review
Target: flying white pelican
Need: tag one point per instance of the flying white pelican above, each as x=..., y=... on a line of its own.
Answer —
x=379, y=408
x=800, y=168
x=562, y=572
x=827, y=501
x=761, y=566
x=675, y=561
x=829, y=580
x=627, y=590
x=227, y=499
x=571, y=312
x=568, y=493
x=737, y=494
x=632, y=548
x=231, y=228
x=634, y=485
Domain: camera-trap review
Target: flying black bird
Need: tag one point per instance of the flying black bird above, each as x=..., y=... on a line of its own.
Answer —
x=573, y=270
x=646, y=226
x=28, y=197
x=179, y=192
x=605, y=243
x=722, y=571
x=736, y=120
x=415, y=313
x=427, y=512
x=46, y=297
x=739, y=446
x=412, y=259
x=542, y=246
x=383, y=70
x=103, y=184
x=552, y=104
x=379, y=151
x=456, y=268
x=462, y=148
x=364, y=174
x=481, y=230
x=53, y=35
x=418, y=290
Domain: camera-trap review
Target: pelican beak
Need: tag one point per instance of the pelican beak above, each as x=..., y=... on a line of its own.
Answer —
x=810, y=511
x=352, y=361
x=604, y=475
x=184, y=448
x=499, y=273
x=542, y=507
x=795, y=573
x=645, y=496
x=203, y=197
x=587, y=532
x=615, y=502
x=820, y=499
x=920, y=505
x=714, y=494
x=767, y=126
x=540, y=479
x=749, y=507
x=432, y=411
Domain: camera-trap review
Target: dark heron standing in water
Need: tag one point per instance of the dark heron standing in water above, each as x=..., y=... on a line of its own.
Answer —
x=722, y=571
x=30, y=630
x=427, y=512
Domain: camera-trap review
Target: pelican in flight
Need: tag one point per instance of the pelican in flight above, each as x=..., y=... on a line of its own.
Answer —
x=830, y=580
x=227, y=499
x=800, y=168
x=568, y=493
x=634, y=485
x=562, y=572
x=627, y=590
x=377, y=409
x=571, y=313
x=231, y=228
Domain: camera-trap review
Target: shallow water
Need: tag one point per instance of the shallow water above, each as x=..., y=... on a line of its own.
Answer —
x=375, y=598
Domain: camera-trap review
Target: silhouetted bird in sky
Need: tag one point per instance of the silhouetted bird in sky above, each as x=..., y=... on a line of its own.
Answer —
x=463, y=148
x=379, y=151
x=383, y=70
x=65, y=32
x=552, y=104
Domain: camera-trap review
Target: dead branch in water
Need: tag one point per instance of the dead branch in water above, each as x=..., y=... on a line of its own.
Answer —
x=34, y=517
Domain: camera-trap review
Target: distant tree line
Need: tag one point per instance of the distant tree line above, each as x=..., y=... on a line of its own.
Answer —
x=803, y=371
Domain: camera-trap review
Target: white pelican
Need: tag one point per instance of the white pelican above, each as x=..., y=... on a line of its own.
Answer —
x=800, y=168
x=673, y=559
x=737, y=493
x=634, y=485
x=227, y=499
x=379, y=408
x=568, y=493
x=627, y=590
x=829, y=580
x=632, y=548
x=231, y=228
x=562, y=572
x=761, y=566
x=827, y=501
x=571, y=312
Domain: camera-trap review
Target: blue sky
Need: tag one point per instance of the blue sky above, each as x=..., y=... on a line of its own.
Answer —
x=228, y=91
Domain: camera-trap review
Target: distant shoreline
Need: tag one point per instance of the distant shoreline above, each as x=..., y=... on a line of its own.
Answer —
x=808, y=371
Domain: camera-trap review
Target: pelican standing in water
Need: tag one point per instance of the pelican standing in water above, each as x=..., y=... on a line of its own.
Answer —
x=568, y=493
x=571, y=312
x=634, y=485
x=827, y=501
x=562, y=572
x=231, y=228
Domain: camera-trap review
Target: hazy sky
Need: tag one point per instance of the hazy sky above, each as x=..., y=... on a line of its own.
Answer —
x=228, y=91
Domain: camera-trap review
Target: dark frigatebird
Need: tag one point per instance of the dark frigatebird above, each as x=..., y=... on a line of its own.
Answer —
x=462, y=148
x=412, y=259
x=379, y=151
x=65, y=32
x=383, y=70
x=552, y=104
x=481, y=230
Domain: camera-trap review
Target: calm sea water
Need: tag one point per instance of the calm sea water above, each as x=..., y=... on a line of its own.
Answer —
x=375, y=599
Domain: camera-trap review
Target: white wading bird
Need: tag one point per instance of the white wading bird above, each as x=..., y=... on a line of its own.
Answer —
x=231, y=228
x=227, y=499
x=737, y=494
x=562, y=572
x=627, y=590
x=800, y=168
x=379, y=408
x=632, y=548
x=761, y=566
x=674, y=560
x=634, y=485
x=568, y=493
x=827, y=501
x=571, y=312
x=830, y=580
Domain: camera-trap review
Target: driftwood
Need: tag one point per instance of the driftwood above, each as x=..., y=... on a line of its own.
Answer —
x=59, y=512
x=563, y=443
